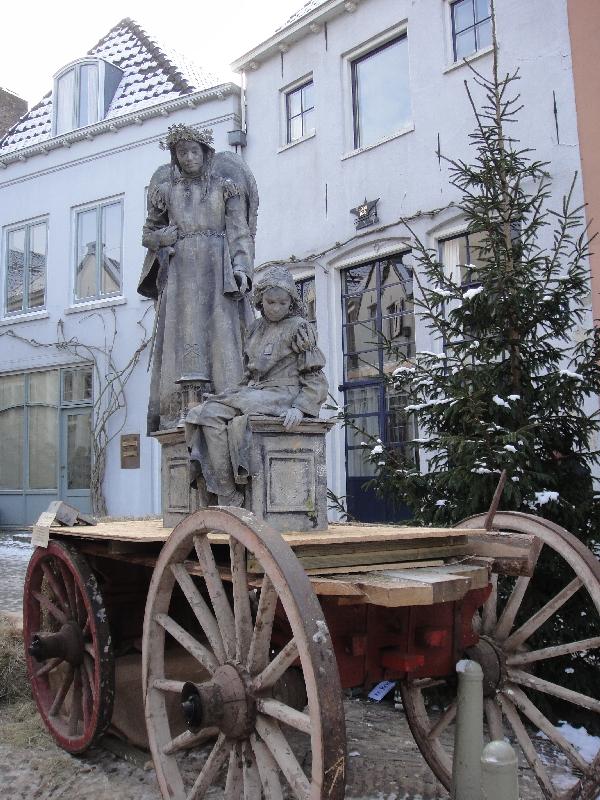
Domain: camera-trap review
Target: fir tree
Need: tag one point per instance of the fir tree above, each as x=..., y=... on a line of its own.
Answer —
x=514, y=368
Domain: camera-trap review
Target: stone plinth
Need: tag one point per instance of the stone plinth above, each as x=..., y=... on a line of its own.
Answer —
x=178, y=499
x=288, y=476
x=288, y=486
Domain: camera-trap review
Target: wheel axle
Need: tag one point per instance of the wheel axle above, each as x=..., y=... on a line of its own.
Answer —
x=66, y=644
x=223, y=702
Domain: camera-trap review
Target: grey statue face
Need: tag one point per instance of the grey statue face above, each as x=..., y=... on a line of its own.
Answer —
x=276, y=304
x=190, y=156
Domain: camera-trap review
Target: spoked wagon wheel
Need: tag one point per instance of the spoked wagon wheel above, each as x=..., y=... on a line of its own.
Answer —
x=68, y=646
x=527, y=681
x=268, y=748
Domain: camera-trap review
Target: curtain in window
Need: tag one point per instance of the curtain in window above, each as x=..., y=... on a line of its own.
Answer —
x=64, y=102
x=451, y=260
x=88, y=94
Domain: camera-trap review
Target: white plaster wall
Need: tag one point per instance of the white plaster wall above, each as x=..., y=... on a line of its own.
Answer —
x=112, y=165
x=404, y=171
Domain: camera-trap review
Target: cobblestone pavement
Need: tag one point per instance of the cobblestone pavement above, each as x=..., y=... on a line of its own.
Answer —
x=384, y=763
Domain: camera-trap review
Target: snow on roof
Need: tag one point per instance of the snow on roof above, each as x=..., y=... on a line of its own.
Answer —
x=151, y=75
x=302, y=12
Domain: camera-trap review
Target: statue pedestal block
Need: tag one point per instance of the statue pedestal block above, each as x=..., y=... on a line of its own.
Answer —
x=178, y=499
x=288, y=485
x=288, y=476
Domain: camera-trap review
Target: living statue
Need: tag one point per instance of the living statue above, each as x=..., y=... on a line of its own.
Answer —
x=283, y=377
x=200, y=238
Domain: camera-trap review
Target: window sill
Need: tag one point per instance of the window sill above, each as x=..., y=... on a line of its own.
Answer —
x=28, y=316
x=402, y=132
x=91, y=305
x=473, y=57
x=297, y=141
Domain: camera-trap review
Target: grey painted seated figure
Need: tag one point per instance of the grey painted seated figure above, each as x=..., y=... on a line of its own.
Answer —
x=283, y=377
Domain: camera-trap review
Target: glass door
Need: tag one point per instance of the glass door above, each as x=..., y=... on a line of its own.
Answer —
x=76, y=457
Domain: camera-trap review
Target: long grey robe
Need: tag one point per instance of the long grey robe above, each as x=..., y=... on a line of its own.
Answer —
x=200, y=315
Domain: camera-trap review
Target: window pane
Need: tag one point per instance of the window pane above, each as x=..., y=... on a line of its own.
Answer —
x=37, y=265
x=88, y=94
x=294, y=103
x=295, y=129
x=65, y=87
x=464, y=44
x=77, y=385
x=307, y=96
x=43, y=387
x=361, y=336
x=396, y=424
x=111, y=249
x=357, y=464
x=482, y=9
x=360, y=366
x=306, y=289
x=15, y=276
x=11, y=449
x=308, y=122
x=361, y=307
x=357, y=279
x=85, y=277
x=484, y=34
x=43, y=437
x=381, y=93
x=12, y=391
x=362, y=400
x=462, y=13
x=79, y=460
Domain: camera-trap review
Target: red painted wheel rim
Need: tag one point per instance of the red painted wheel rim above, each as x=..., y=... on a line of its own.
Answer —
x=74, y=697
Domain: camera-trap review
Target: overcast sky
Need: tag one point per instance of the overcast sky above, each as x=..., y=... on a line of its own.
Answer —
x=38, y=38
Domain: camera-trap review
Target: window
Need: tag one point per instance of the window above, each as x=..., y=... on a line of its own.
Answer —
x=380, y=93
x=30, y=412
x=25, y=258
x=461, y=256
x=98, y=242
x=300, y=112
x=378, y=332
x=83, y=93
x=378, y=313
x=306, y=290
x=471, y=27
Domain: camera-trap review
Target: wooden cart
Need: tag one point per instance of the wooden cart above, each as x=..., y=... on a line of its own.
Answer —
x=249, y=636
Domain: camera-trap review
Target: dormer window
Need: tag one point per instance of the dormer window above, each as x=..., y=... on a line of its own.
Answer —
x=82, y=93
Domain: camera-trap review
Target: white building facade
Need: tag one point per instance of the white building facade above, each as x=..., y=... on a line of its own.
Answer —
x=348, y=106
x=73, y=179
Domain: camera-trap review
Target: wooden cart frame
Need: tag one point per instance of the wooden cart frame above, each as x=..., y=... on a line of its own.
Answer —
x=274, y=626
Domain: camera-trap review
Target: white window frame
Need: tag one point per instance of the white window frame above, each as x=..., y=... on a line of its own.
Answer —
x=8, y=229
x=284, y=91
x=102, y=103
x=348, y=58
x=95, y=205
x=451, y=64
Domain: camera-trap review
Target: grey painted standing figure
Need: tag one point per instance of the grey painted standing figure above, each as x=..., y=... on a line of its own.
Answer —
x=199, y=235
x=283, y=377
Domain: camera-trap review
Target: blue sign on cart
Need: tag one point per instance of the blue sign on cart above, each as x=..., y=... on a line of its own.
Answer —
x=379, y=692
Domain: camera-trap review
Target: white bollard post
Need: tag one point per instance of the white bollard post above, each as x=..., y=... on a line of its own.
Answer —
x=499, y=768
x=468, y=742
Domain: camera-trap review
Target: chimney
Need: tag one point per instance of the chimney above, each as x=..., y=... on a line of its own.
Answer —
x=12, y=108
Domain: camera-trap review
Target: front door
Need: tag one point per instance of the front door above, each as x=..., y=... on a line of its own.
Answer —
x=76, y=457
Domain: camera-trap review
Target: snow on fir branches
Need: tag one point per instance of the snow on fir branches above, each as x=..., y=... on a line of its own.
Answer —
x=514, y=366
